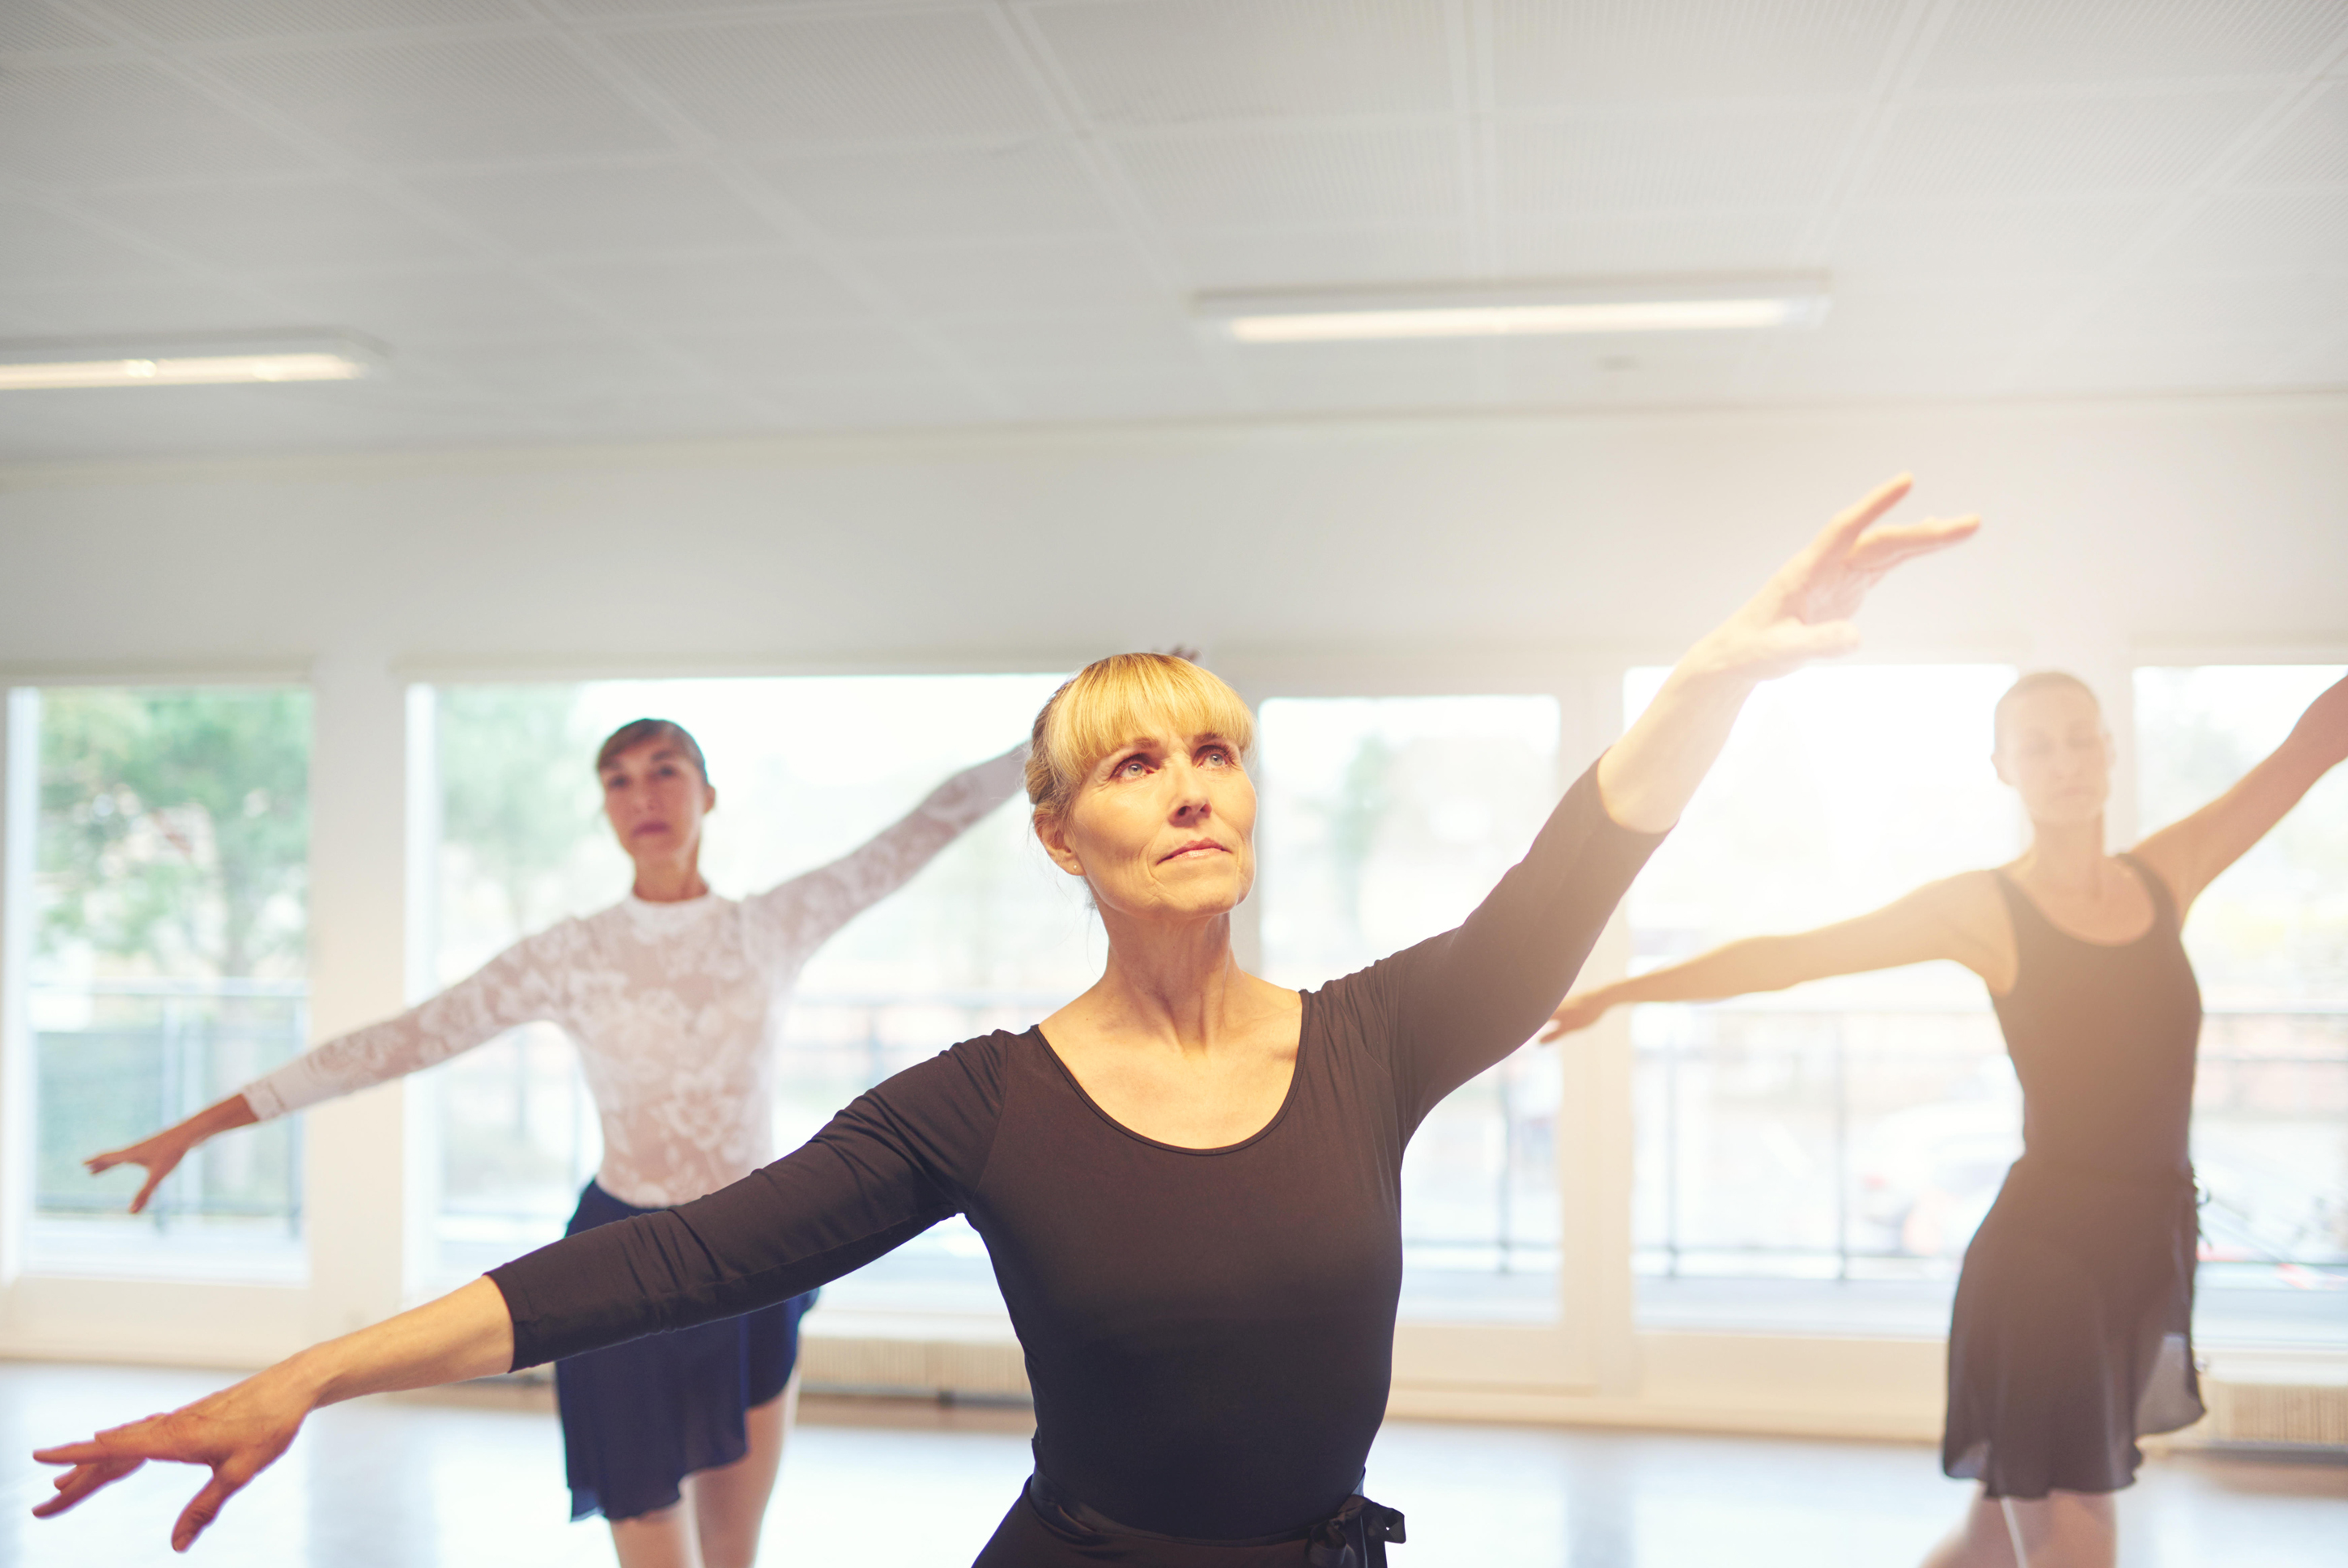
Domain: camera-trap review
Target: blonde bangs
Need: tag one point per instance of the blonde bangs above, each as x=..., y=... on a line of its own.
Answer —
x=1110, y=702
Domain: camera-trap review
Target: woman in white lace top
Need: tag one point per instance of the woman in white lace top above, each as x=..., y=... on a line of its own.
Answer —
x=674, y=997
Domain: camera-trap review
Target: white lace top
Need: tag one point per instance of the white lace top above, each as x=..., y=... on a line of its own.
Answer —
x=674, y=1007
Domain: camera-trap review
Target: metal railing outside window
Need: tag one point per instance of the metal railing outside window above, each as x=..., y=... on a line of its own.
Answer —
x=116, y=1060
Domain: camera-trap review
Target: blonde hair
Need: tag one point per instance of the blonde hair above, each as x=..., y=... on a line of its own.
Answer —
x=2038, y=680
x=1107, y=703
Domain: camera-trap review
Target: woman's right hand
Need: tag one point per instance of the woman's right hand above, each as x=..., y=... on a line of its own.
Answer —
x=1576, y=1013
x=161, y=1154
x=238, y=1432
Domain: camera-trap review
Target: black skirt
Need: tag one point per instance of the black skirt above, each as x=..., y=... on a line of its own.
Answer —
x=2072, y=1332
x=639, y=1418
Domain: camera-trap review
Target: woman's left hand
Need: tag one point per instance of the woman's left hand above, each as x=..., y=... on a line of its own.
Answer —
x=1802, y=612
x=238, y=1432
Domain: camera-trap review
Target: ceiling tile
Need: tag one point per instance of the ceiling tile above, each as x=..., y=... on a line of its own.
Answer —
x=1990, y=239
x=2165, y=365
x=1290, y=259
x=1183, y=61
x=1616, y=369
x=1029, y=189
x=1702, y=157
x=1048, y=277
x=2312, y=150
x=37, y=243
x=470, y=100
x=2119, y=144
x=791, y=356
x=1268, y=179
x=1666, y=242
x=428, y=307
x=557, y=370
x=2181, y=310
x=29, y=27
x=2016, y=43
x=201, y=21
x=1813, y=368
x=853, y=402
x=1952, y=309
x=282, y=226
x=1548, y=55
x=115, y=122
x=2260, y=232
x=861, y=76
x=1143, y=393
x=754, y=288
x=184, y=304
x=1161, y=339
x=1340, y=375
x=590, y=211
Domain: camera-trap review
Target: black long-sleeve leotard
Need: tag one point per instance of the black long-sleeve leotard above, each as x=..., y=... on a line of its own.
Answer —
x=1209, y=1333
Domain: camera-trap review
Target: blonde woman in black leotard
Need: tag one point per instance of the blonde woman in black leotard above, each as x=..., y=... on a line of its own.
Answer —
x=2071, y=1336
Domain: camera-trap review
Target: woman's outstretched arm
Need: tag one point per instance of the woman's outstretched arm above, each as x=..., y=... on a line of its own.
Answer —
x=2190, y=855
x=1958, y=918
x=1472, y=996
x=521, y=985
x=240, y=1431
x=1802, y=612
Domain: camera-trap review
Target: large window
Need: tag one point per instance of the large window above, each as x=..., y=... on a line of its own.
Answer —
x=2269, y=942
x=1793, y=1147
x=1384, y=821
x=990, y=934
x=172, y=849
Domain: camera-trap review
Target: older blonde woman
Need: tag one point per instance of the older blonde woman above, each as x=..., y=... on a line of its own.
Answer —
x=1186, y=1179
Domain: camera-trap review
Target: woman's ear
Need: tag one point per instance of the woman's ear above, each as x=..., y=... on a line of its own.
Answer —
x=1050, y=834
x=709, y=798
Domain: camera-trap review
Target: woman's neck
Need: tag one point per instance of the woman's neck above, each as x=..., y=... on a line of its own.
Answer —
x=669, y=882
x=1178, y=985
x=2067, y=856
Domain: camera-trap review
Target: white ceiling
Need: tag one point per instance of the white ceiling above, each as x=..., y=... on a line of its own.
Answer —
x=590, y=219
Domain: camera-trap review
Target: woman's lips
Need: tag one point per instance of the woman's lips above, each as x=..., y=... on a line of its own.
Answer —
x=1200, y=847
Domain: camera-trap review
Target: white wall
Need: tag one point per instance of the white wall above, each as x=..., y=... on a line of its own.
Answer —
x=1367, y=555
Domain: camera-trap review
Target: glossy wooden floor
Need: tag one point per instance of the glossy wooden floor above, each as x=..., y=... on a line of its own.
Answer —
x=474, y=1477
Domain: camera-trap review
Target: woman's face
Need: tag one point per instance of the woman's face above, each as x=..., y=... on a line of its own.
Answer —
x=2051, y=747
x=655, y=799
x=1162, y=828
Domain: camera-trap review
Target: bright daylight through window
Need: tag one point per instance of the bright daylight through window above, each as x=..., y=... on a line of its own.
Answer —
x=2269, y=942
x=167, y=969
x=1793, y=1146
x=1384, y=821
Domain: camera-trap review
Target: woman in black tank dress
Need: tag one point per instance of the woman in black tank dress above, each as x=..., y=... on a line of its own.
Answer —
x=2072, y=1332
x=1188, y=1179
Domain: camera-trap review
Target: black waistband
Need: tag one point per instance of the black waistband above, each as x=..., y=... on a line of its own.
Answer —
x=1356, y=1536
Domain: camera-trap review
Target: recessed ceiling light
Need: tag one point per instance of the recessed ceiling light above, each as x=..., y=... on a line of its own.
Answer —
x=1716, y=304
x=56, y=365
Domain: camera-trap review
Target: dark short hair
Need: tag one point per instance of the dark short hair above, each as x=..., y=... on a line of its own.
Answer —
x=2037, y=681
x=639, y=731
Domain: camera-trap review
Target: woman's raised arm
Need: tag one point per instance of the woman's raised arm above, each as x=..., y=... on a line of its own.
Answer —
x=1802, y=612
x=2190, y=854
x=240, y=1431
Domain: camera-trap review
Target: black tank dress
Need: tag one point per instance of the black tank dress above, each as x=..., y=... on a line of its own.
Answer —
x=1209, y=1332
x=2073, y=1331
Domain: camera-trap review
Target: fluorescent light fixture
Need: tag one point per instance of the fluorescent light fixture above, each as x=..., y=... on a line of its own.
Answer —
x=55, y=364
x=1711, y=304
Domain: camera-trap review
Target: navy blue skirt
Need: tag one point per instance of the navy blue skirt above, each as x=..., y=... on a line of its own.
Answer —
x=639, y=1418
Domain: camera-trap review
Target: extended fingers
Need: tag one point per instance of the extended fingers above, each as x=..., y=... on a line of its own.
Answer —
x=1885, y=546
x=1853, y=520
x=205, y=1506
x=80, y=1481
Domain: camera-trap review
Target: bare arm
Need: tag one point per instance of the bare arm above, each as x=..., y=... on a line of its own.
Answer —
x=2190, y=854
x=1959, y=918
x=1802, y=613
x=240, y=1431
